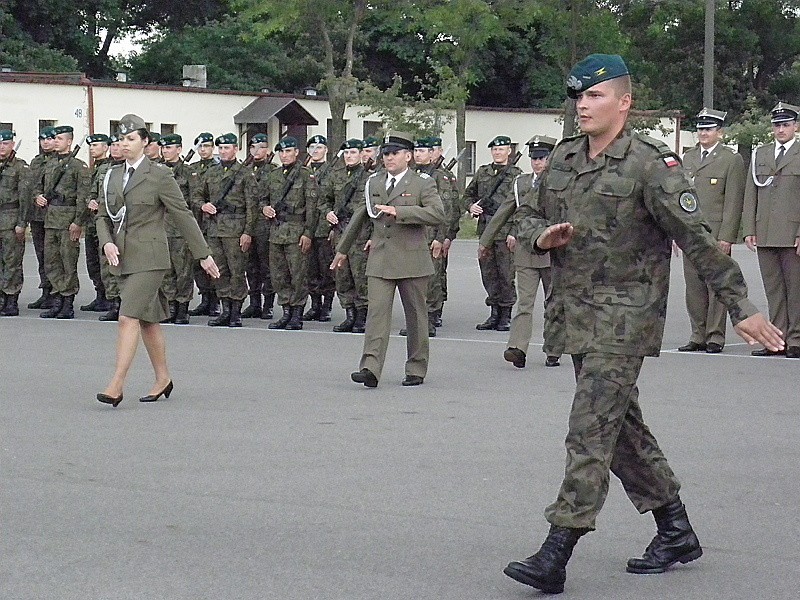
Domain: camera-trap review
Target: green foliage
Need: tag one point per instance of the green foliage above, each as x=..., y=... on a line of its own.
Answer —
x=754, y=127
x=21, y=53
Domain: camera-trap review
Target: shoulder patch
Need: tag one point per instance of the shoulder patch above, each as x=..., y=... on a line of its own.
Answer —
x=688, y=202
x=671, y=161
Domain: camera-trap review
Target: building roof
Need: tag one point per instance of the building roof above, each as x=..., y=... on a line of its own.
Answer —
x=288, y=110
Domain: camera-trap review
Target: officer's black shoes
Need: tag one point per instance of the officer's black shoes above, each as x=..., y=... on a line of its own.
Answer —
x=182, y=314
x=201, y=310
x=312, y=314
x=366, y=377
x=360, y=325
x=491, y=322
x=153, y=397
x=296, y=321
x=11, y=306
x=325, y=311
x=675, y=541
x=235, y=319
x=547, y=569
x=282, y=322
x=504, y=322
x=224, y=318
x=767, y=352
x=112, y=400
x=403, y=332
x=349, y=320
x=410, y=380
x=551, y=361
x=67, y=311
x=55, y=308
x=43, y=300
x=515, y=356
x=692, y=347
x=793, y=352
x=113, y=312
x=713, y=348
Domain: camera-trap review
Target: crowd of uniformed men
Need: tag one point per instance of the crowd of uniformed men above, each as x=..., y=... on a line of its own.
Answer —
x=273, y=228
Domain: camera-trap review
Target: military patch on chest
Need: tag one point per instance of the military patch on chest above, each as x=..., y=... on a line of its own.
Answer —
x=688, y=202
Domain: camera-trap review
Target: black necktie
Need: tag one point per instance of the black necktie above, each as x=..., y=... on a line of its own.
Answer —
x=131, y=171
x=781, y=152
x=390, y=189
x=704, y=156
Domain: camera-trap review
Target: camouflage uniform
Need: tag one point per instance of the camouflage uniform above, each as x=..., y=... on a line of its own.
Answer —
x=90, y=241
x=204, y=284
x=15, y=200
x=611, y=282
x=36, y=219
x=110, y=282
x=454, y=225
x=178, y=285
x=259, y=281
x=321, y=283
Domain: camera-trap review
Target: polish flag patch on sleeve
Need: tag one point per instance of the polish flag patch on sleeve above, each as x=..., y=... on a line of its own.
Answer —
x=671, y=161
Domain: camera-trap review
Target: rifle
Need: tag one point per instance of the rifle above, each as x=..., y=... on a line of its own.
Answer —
x=454, y=161
x=440, y=161
x=9, y=158
x=58, y=198
x=320, y=175
x=281, y=206
x=500, y=176
x=222, y=202
x=190, y=154
x=344, y=212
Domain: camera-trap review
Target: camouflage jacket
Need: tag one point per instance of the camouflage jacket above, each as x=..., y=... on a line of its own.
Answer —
x=38, y=162
x=456, y=206
x=97, y=173
x=448, y=195
x=67, y=202
x=480, y=188
x=322, y=173
x=343, y=193
x=15, y=196
x=238, y=211
x=297, y=211
x=611, y=280
x=261, y=169
x=185, y=178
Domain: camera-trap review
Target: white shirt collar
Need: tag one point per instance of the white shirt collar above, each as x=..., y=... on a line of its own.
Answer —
x=709, y=150
x=397, y=177
x=134, y=165
x=787, y=145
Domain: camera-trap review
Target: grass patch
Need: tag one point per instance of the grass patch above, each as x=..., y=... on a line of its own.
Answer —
x=469, y=226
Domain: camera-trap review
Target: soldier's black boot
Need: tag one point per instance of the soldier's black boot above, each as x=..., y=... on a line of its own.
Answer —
x=312, y=314
x=202, y=308
x=491, y=322
x=99, y=304
x=675, y=541
x=360, y=324
x=438, y=318
x=182, y=314
x=113, y=312
x=55, y=307
x=236, y=314
x=173, y=312
x=296, y=321
x=349, y=320
x=43, y=299
x=223, y=318
x=325, y=309
x=504, y=322
x=281, y=323
x=432, y=324
x=67, y=311
x=547, y=569
x=253, y=310
x=266, y=312
x=213, y=306
x=11, y=306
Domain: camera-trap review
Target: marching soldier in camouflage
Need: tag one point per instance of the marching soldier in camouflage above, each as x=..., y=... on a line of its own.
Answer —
x=15, y=200
x=483, y=196
x=608, y=206
x=340, y=196
x=47, y=138
x=178, y=285
x=718, y=174
x=259, y=281
x=228, y=196
x=321, y=284
x=64, y=190
x=370, y=154
x=209, y=304
x=110, y=283
x=289, y=201
x=98, y=149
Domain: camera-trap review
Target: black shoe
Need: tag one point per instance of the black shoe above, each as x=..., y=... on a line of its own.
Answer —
x=504, y=322
x=96, y=304
x=201, y=310
x=403, y=332
x=67, y=311
x=173, y=311
x=409, y=380
x=254, y=310
x=438, y=318
x=692, y=347
x=547, y=569
x=213, y=306
x=312, y=314
x=366, y=377
x=552, y=361
x=360, y=325
x=55, y=308
x=675, y=541
x=515, y=356
x=106, y=399
x=766, y=352
x=235, y=319
x=42, y=300
x=349, y=321
x=182, y=314
x=296, y=321
x=224, y=318
x=113, y=312
x=153, y=397
x=713, y=348
x=491, y=322
x=266, y=311
x=281, y=323
x=325, y=310
x=793, y=352
x=11, y=306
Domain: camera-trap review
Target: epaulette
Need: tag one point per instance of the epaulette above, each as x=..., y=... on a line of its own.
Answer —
x=654, y=143
x=423, y=175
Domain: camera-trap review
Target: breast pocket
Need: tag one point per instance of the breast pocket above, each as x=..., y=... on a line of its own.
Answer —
x=616, y=204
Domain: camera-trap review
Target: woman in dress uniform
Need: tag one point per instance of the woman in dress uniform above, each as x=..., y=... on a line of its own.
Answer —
x=130, y=227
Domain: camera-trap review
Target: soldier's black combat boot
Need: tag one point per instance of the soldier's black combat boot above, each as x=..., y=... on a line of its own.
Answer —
x=491, y=322
x=281, y=323
x=67, y=311
x=431, y=325
x=360, y=324
x=253, y=310
x=11, y=306
x=99, y=304
x=312, y=314
x=349, y=320
x=202, y=308
x=504, y=322
x=236, y=314
x=173, y=312
x=182, y=314
x=547, y=569
x=438, y=318
x=675, y=541
x=223, y=318
x=113, y=312
x=266, y=312
x=213, y=306
x=55, y=307
x=43, y=299
x=325, y=310
x=296, y=322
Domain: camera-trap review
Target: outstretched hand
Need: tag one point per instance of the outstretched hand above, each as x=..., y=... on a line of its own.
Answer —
x=757, y=329
x=556, y=236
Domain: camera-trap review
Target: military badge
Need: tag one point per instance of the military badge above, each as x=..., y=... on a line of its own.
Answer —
x=688, y=202
x=671, y=161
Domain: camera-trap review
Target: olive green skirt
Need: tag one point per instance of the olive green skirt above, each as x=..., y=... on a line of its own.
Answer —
x=141, y=296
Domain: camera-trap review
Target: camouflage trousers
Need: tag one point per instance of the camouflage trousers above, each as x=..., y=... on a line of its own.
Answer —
x=37, y=235
x=178, y=284
x=92, y=249
x=528, y=279
x=289, y=269
x=232, y=263
x=443, y=277
x=258, y=275
x=110, y=282
x=320, y=277
x=61, y=261
x=607, y=434
x=12, y=251
x=435, y=290
x=497, y=274
x=351, y=278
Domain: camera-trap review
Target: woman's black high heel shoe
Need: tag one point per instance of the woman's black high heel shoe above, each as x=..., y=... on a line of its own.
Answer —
x=106, y=399
x=152, y=398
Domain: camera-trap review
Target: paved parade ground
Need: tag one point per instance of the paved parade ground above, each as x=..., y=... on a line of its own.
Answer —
x=268, y=474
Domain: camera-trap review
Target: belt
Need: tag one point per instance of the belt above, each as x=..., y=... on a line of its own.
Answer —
x=291, y=218
x=232, y=211
x=9, y=206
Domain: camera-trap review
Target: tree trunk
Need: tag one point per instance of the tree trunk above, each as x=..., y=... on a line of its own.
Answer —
x=461, y=142
x=570, y=113
x=338, y=92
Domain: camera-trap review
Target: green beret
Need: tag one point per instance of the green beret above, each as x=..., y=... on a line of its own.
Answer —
x=97, y=138
x=6, y=134
x=226, y=138
x=371, y=142
x=594, y=69
x=154, y=136
x=784, y=112
x=436, y=141
x=259, y=138
x=203, y=138
x=130, y=123
x=425, y=142
x=397, y=140
x=62, y=129
x=171, y=139
x=47, y=133
x=286, y=143
x=317, y=139
x=500, y=140
x=352, y=143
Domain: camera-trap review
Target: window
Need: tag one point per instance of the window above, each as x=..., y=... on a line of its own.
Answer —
x=167, y=128
x=46, y=123
x=7, y=126
x=371, y=128
x=469, y=159
x=113, y=127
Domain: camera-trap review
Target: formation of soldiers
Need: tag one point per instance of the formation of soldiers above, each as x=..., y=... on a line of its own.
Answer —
x=273, y=228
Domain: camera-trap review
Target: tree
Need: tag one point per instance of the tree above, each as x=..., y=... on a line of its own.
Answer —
x=21, y=53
